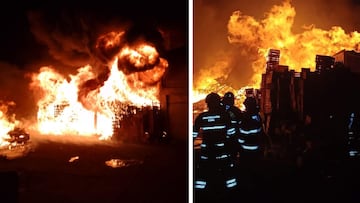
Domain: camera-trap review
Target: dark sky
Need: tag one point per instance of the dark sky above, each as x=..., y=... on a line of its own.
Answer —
x=211, y=18
x=63, y=34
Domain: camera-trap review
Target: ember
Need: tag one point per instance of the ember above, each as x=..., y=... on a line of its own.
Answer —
x=119, y=163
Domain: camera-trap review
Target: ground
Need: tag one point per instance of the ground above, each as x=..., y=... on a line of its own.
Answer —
x=279, y=180
x=62, y=171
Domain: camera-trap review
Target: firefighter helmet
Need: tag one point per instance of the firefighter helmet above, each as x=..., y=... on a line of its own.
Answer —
x=228, y=99
x=213, y=99
x=250, y=104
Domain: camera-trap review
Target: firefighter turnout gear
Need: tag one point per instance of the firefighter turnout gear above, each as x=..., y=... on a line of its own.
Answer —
x=235, y=114
x=215, y=166
x=250, y=132
x=228, y=99
x=251, y=137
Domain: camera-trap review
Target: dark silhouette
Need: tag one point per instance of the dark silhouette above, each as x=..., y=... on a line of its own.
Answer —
x=228, y=102
x=214, y=169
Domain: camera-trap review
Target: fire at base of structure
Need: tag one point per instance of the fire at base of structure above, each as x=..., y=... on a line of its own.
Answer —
x=126, y=122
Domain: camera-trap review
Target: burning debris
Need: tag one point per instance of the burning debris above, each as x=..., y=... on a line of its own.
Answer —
x=73, y=159
x=14, y=140
x=18, y=136
x=120, y=163
x=17, y=144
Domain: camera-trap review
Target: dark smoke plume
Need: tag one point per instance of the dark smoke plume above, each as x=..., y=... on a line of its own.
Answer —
x=77, y=38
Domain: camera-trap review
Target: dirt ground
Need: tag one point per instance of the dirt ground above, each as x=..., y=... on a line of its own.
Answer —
x=75, y=170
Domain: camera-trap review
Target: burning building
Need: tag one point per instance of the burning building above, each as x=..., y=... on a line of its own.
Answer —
x=110, y=72
x=86, y=104
x=129, y=99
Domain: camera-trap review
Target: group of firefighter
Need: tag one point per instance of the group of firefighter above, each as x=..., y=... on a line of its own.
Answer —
x=232, y=142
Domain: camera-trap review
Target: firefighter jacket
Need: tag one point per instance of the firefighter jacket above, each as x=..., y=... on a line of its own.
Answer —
x=214, y=128
x=251, y=132
x=235, y=117
x=215, y=156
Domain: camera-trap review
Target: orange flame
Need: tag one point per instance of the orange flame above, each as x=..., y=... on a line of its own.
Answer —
x=274, y=31
x=297, y=50
x=83, y=105
x=7, y=123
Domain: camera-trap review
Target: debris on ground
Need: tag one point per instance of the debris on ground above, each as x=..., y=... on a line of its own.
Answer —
x=119, y=163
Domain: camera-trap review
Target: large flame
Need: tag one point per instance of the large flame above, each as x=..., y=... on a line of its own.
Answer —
x=298, y=50
x=7, y=122
x=86, y=103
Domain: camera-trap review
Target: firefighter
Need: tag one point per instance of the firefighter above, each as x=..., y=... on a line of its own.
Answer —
x=252, y=137
x=228, y=102
x=353, y=135
x=214, y=173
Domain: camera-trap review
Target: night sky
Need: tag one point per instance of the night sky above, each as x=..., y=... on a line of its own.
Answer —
x=63, y=34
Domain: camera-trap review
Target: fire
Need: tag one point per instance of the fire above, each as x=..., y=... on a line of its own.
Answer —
x=298, y=50
x=86, y=103
x=211, y=78
x=7, y=122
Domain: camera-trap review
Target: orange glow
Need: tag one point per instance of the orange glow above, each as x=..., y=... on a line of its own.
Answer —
x=7, y=123
x=109, y=40
x=209, y=79
x=298, y=50
x=140, y=56
x=80, y=104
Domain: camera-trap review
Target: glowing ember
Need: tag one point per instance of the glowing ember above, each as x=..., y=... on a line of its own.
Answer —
x=274, y=31
x=85, y=103
x=72, y=159
x=120, y=163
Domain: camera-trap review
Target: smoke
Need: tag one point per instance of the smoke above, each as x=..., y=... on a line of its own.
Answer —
x=326, y=14
x=215, y=57
x=67, y=39
x=14, y=91
x=71, y=35
x=78, y=37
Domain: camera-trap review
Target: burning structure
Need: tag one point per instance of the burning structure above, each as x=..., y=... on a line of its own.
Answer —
x=88, y=103
x=243, y=63
x=127, y=98
x=126, y=94
x=327, y=96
